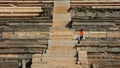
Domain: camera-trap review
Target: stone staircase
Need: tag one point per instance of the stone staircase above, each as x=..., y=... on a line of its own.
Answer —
x=25, y=27
x=60, y=52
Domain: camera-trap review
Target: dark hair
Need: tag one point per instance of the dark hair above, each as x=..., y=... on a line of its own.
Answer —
x=81, y=29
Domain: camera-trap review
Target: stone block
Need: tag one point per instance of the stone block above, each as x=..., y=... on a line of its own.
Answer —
x=113, y=34
x=23, y=35
x=7, y=34
x=20, y=14
x=9, y=56
x=83, y=57
x=21, y=9
x=29, y=35
x=97, y=34
x=36, y=60
x=89, y=43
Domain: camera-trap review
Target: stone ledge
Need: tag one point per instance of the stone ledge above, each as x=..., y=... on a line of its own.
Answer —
x=61, y=42
x=59, y=66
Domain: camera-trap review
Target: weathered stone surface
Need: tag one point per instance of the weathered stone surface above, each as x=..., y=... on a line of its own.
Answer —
x=58, y=66
x=8, y=64
x=61, y=20
x=60, y=47
x=101, y=22
x=82, y=57
x=62, y=3
x=23, y=35
x=9, y=56
x=61, y=17
x=57, y=10
x=97, y=1
x=60, y=53
x=100, y=34
x=69, y=43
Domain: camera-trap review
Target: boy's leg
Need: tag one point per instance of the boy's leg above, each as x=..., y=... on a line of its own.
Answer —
x=79, y=40
x=81, y=37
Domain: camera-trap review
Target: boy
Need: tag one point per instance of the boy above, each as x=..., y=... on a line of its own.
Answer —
x=80, y=35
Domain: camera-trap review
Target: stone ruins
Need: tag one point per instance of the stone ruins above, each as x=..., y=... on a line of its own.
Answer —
x=42, y=33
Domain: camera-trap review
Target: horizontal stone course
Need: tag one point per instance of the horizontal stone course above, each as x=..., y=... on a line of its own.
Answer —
x=61, y=18
x=62, y=42
x=60, y=47
x=100, y=34
x=8, y=64
x=58, y=66
x=59, y=55
x=61, y=51
x=57, y=10
x=57, y=59
x=23, y=35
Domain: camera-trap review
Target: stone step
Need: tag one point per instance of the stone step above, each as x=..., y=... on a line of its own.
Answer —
x=24, y=42
x=61, y=18
x=64, y=17
x=8, y=64
x=36, y=60
x=99, y=42
x=59, y=55
x=18, y=46
x=63, y=62
x=100, y=34
x=61, y=42
x=61, y=52
x=37, y=55
x=52, y=59
x=58, y=9
x=66, y=32
x=60, y=24
x=57, y=66
x=17, y=35
x=61, y=38
x=55, y=63
x=59, y=3
x=60, y=47
x=92, y=24
x=59, y=30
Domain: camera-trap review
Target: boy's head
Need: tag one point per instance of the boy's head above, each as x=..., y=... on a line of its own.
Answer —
x=81, y=29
